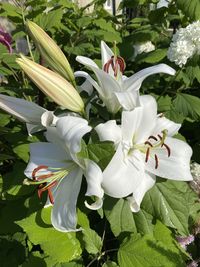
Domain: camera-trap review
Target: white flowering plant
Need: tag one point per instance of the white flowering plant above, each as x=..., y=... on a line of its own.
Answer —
x=98, y=148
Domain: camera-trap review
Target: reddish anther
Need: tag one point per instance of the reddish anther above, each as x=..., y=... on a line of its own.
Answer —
x=153, y=137
x=38, y=169
x=116, y=63
x=147, y=154
x=156, y=161
x=148, y=143
x=168, y=149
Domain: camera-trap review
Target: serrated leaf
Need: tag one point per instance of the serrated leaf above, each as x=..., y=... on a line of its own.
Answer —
x=170, y=202
x=58, y=246
x=119, y=215
x=151, y=251
x=188, y=105
x=190, y=8
x=121, y=218
x=93, y=242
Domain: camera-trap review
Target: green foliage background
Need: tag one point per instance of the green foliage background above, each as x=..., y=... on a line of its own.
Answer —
x=114, y=236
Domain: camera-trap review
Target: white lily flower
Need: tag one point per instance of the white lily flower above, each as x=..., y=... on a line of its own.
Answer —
x=36, y=117
x=145, y=148
x=114, y=89
x=55, y=167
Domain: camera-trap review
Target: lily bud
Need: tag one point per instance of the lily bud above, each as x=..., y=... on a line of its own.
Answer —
x=53, y=85
x=51, y=52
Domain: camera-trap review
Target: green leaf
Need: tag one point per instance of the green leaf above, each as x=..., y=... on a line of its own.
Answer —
x=22, y=152
x=164, y=103
x=190, y=8
x=151, y=250
x=58, y=246
x=110, y=264
x=171, y=202
x=93, y=243
x=152, y=57
x=188, y=105
x=121, y=218
x=50, y=20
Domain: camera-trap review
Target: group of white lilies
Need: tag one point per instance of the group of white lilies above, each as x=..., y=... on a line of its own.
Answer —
x=143, y=141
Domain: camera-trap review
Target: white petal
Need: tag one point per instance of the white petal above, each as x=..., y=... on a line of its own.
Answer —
x=87, y=62
x=138, y=124
x=63, y=216
x=46, y=154
x=128, y=99
x=89, y=79
x=87, y=87
x=138, y=194
x=123, y=174
x=71, y=130
x=24, y=110
x=176, y=166
x=109, y=131
x=94, y=177
x=106, y=53
x=48, y=119
x=135, y=81
x=33, y=128
x=163, y=123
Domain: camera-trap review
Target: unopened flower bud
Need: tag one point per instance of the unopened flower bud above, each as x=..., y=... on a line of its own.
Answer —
x=51, y=52
x=52, y=84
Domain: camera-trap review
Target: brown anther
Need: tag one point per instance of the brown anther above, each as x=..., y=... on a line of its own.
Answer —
x=115, y=63
x=160, y=137
x=38, y=169
x=168, y=149
x=147, y=154
x=156, y=161
x=148, y=143
x=153, y=137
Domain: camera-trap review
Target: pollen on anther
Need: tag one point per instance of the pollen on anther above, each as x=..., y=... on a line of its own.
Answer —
x=153, y=137
x=148, y=143
x=38, y=169
x=168, y=149
x=147, y=154
x=156, y=161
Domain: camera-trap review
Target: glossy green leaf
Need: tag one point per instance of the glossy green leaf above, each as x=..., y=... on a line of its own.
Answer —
x=39, y=231
x=188, y=105
x=190, y=8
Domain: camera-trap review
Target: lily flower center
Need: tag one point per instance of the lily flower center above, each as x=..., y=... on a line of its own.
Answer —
x=48, y=180
x=150, y=145
x=116, y=63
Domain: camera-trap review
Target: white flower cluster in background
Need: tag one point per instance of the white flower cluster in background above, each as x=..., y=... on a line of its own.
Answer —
x=185, y=44
x=140, y=48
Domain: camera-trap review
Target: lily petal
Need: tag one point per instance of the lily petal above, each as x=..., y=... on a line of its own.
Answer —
x=128, y=99
x=24, y=110
x=48, y=119
x=71, y=130
x=46, y=154
x=122, y=175
x=87, y=62
x=174, y=167
x=109, y=131
x=94, y=178
x=163, y=123
x=106, y=53
x=135, y=81
x=63, y=216
x=138, y=194
x=89, y=79
x=137, y=124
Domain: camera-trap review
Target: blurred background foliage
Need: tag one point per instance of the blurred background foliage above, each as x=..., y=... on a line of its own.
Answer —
x=26, y=236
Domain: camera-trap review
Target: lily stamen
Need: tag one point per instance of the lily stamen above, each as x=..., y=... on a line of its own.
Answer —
x=116, y=63
x=161, y=144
